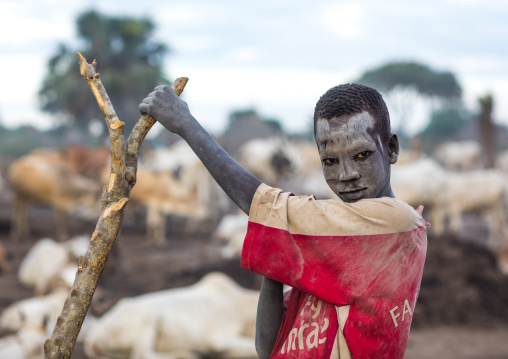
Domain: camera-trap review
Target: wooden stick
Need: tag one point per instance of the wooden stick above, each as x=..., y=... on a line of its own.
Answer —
x=113, y=200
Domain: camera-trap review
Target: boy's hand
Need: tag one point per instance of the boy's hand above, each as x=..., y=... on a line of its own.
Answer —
x=166, y=107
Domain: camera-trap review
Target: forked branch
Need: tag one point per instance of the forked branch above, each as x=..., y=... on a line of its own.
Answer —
x=114, y=198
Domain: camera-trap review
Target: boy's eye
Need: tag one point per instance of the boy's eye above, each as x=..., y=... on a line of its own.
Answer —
x=363, y=154
x=330, y=161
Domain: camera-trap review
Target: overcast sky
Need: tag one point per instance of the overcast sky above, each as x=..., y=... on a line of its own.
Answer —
x=277, y=57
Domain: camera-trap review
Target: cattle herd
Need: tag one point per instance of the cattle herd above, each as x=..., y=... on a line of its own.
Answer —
x=215, y=316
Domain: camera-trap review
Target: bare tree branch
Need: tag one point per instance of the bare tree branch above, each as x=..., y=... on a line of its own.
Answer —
x=113, y=200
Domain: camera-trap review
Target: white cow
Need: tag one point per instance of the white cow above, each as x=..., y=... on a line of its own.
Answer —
x=231, y=231
x=37, y=312
x=502, y=161
x=269, y=159
x=25, y=344
x=422, y=182
x=459, y=156
x=31, y=321
x=481, y=192
x=50, y=264
x=214, y=316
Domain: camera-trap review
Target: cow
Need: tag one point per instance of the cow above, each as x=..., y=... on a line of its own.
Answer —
x=45, y=177
x=459, y=156
x=269, y=159
x=483, y=192
x=422, y=182
x=161, y=194
x=215, y=316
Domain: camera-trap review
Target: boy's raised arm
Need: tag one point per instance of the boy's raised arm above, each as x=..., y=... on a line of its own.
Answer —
x=173, y=113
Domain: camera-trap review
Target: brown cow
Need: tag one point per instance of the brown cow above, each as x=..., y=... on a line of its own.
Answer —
x=45, y=177
x=161, y=194
x=87, y=161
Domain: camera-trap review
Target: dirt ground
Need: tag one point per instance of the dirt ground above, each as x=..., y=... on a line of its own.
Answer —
x=462, y=311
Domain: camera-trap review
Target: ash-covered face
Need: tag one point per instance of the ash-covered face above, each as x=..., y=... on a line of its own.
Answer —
x=356, y=162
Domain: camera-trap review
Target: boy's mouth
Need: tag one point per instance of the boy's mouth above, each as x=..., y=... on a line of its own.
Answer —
x=352, y=195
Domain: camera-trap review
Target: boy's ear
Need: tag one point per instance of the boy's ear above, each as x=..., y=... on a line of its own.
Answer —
x=393, y=148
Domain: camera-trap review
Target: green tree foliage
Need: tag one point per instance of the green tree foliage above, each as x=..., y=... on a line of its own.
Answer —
x=129, y=62
x=407, y=85
x=444, y=125
x=425, y=80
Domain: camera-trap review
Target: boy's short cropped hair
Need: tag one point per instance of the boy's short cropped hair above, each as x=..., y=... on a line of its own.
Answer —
x=350, y=99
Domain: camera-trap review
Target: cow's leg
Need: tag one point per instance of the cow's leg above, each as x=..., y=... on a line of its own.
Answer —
x=160, y=237
x=437, y=219
x=150, y=223
x=155, y=225
x=19, y=220
x=61, y=226
x=496, y=217
x=455, y=216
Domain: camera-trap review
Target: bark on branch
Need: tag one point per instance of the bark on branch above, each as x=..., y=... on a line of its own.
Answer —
x=114, y=198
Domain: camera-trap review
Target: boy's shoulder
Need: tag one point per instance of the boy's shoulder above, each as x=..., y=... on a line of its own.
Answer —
x=308, y=215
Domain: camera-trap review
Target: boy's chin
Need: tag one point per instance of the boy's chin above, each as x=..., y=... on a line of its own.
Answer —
x=353, y=196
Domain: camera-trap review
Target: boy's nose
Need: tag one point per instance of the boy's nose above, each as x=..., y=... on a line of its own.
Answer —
x=347, y=172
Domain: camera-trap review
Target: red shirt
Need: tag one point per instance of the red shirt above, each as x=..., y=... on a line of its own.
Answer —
x=355, y=269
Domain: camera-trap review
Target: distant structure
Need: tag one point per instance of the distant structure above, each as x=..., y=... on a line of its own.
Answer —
x=245, y=126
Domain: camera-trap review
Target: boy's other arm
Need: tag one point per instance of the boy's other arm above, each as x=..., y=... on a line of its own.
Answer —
x=269, y=316
x=168, y=109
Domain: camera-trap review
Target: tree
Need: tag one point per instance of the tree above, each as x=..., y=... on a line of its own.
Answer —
x=487, y=129
x=132, y=66
x=443, y=126
x=411, y=88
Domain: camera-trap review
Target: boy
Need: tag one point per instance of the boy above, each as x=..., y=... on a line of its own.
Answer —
x=355, y=264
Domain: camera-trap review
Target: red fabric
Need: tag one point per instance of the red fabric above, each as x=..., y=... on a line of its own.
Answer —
x=310, y=327
x=377, y=275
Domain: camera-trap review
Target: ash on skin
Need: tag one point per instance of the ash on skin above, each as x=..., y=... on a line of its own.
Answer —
x=356, y=162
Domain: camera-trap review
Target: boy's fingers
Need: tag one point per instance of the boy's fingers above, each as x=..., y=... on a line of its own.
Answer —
x=147, y=100
x=142, y=108
x=164, y=88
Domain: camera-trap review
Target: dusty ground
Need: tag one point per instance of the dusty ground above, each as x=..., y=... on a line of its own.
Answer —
x=462, y=311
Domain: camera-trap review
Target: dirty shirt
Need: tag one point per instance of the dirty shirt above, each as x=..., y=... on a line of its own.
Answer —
x=355, y=270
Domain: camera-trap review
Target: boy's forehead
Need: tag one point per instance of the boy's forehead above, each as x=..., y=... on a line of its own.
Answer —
x=344, y=125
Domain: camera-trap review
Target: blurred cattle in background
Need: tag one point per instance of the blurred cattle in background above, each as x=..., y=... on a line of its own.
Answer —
x=173, y=181
x=161, y=194
x=87, y=161
x=231, y=233
x=26, y=343
x=422, y=182
x=269, y=159
x=307, y=178
x=45, y=177
x=213, y=317
x=459, y=156
x=502, y=162
x=189, y=171
x=49, y=264
x=482, y=192
x=26, y=324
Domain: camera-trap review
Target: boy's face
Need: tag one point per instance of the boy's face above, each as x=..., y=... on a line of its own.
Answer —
x=356, y=163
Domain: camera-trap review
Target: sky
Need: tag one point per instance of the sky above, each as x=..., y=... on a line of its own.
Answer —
x=275, y=56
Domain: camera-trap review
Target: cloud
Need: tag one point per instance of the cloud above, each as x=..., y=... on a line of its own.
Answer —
x=345, y=20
